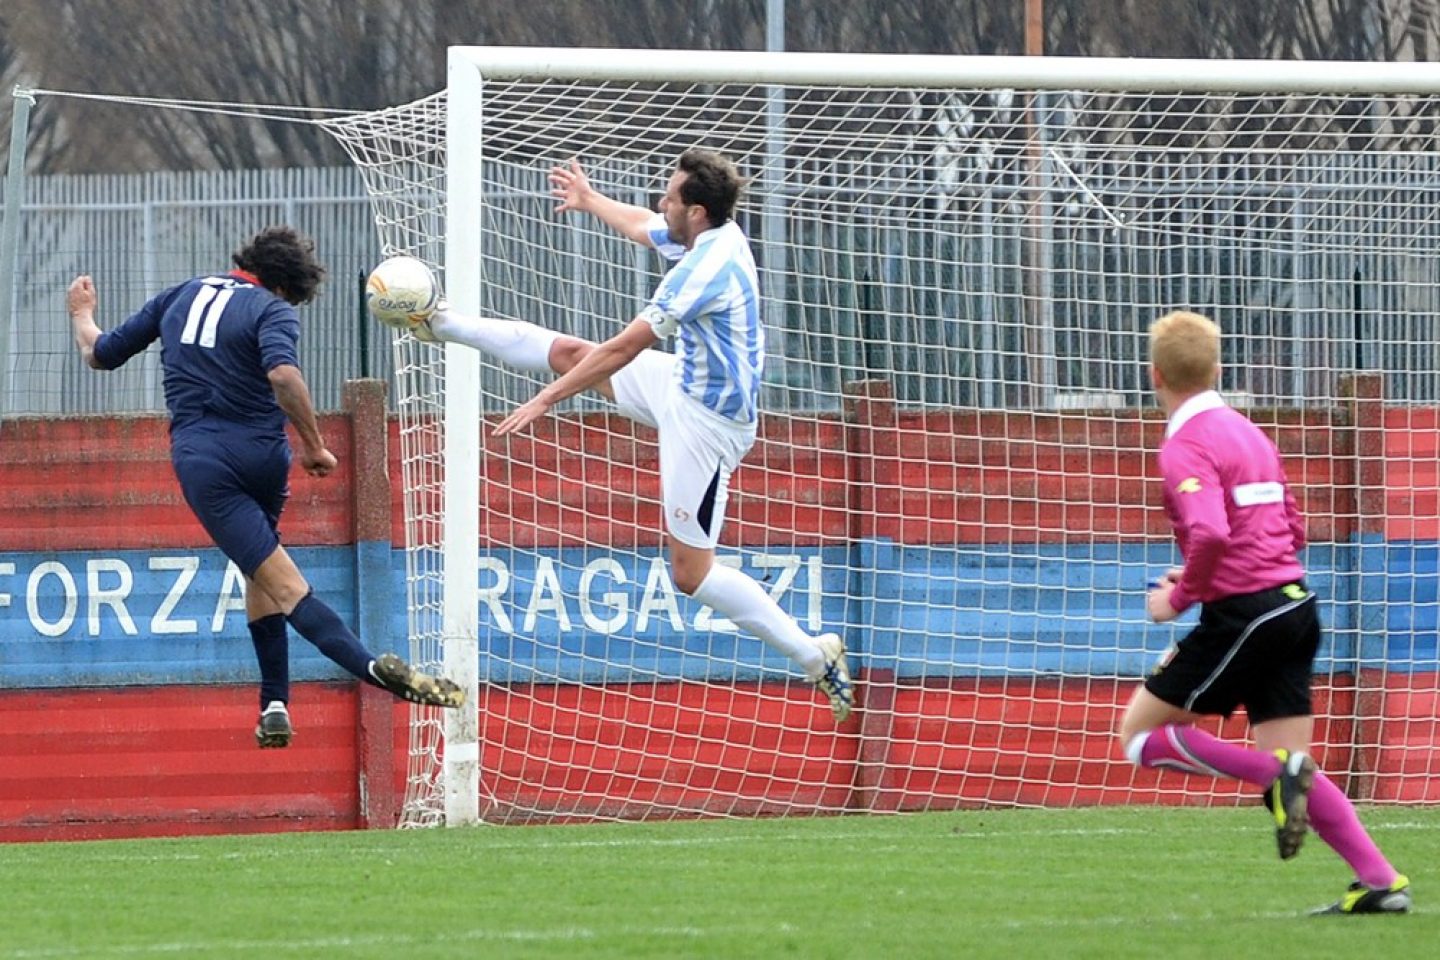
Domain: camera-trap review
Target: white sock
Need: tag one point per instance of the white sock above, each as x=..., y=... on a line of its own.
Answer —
x=1135, y=749
x=736, y=597
x=514, y=343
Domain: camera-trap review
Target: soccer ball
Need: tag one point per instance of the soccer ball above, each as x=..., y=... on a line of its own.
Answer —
x=401, y=292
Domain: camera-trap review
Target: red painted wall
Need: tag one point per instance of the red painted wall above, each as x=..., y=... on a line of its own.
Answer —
x=151, y=761
x=950, y=477
x=163, y=761
x=1412, y=474
x=938, y=478
x=106, y=483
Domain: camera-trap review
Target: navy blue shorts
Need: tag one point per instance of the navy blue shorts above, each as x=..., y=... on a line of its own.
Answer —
x=236, y=485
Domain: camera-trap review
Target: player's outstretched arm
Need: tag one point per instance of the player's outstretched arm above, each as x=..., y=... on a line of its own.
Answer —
x=81, y=300
x=570, y=186
x=293, y=396
x=598, y=365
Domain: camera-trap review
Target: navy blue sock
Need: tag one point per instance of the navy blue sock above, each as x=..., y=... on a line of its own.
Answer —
x=272, y=650
x=316, y=622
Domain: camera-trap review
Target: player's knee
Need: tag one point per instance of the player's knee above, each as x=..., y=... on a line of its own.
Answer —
x=688, y=571
x=1128, y=731
x=282, y=583
x=1144, y=713
x=687, y=579
x=567, y=352
x=286, y=595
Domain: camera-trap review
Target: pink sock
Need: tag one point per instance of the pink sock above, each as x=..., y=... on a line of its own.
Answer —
x=1331, y=813
x=1333, y=817
x=1195, y=751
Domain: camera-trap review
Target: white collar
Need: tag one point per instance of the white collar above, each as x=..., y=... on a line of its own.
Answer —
x=695, y=241
x=1201, y=402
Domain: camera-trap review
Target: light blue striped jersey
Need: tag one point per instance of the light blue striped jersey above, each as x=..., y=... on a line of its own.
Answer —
x=711, y=299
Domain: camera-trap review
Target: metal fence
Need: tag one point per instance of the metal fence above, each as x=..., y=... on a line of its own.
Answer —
x=1328, y=268
x=995, y=297
x=139, y=234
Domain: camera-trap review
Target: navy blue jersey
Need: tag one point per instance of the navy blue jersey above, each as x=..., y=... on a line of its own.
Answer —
x=220, y=335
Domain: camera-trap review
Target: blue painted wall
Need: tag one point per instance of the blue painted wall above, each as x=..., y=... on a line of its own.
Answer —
x=161, y=617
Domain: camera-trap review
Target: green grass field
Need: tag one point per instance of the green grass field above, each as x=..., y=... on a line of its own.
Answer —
x=1105, y=883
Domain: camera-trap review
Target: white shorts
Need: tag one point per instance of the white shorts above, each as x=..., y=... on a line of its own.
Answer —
x=699, y=450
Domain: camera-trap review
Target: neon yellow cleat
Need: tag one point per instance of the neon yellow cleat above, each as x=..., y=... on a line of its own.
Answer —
x=1362, y=899
x=1289, y=798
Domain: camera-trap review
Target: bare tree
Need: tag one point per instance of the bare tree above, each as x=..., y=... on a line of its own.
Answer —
x=334, y=53
x=364, y=54
x=910, y=26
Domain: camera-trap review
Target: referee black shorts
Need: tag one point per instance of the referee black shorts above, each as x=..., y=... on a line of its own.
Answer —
x=1257, y=649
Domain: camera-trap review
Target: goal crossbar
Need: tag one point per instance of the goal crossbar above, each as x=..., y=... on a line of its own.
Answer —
x=863, y=70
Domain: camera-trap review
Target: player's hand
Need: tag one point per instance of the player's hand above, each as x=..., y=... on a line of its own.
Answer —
x=1173, y=575
x=1157, y=601
x=318, y=463
x=571, y=187
x=81, y=297
x=522, y=416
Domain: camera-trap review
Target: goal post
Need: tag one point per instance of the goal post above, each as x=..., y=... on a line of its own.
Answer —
x=464, y=197
x=955, y=467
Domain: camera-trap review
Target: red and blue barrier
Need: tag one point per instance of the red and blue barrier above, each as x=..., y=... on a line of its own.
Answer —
x=987, y=567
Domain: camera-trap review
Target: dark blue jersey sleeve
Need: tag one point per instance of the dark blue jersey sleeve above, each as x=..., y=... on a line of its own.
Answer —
x=278, y=332
x=139, y=331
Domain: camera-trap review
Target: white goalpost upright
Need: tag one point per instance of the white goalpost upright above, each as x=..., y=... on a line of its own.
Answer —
x=464, y=159
x=956, y=459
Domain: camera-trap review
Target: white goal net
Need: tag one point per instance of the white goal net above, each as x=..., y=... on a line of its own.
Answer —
x=959, y=259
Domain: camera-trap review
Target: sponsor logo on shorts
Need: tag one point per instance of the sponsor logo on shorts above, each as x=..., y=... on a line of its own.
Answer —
x=682, y=514
x=1165, y=659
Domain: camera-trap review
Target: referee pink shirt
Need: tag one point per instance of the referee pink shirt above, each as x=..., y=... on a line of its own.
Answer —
x=1235, y=519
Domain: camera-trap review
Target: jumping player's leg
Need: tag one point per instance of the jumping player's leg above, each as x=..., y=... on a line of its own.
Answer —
x=515, y=343
x=268, y=633
x=313, y=619
x=744, y=602
x=240, y=507
x=698, y=454
x=239, y=504
x=271, y=639
x=280, y=579
x=747, y=604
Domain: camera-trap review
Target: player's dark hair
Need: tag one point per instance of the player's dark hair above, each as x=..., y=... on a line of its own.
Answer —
x=712, y=182
x=284, y=260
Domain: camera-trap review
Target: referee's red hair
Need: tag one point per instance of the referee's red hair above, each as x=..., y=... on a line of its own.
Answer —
x=1185, y=349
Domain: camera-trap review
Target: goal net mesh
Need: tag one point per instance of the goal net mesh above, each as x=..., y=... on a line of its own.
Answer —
x=956, y=459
